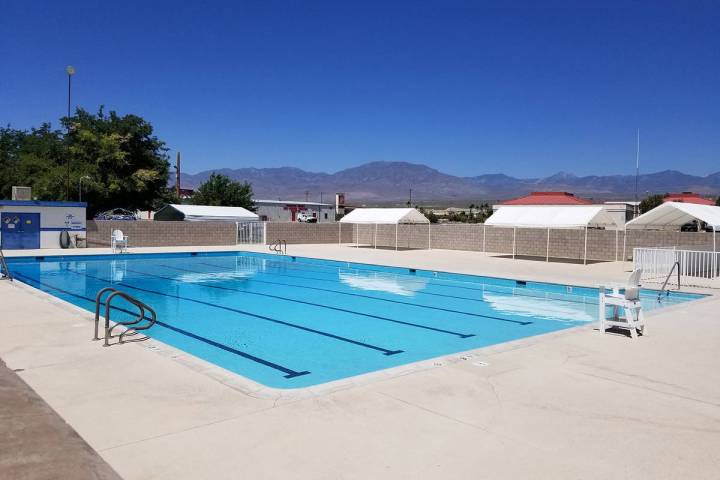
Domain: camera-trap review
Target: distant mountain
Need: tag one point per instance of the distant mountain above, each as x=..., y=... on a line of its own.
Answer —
x=388, y=182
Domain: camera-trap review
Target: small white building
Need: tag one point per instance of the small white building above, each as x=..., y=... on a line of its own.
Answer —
x=289, y=210
x=30, y=224
x=204, y=213
x=622, y=211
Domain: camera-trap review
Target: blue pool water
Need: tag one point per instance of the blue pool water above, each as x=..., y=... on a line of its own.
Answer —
x=289, y=322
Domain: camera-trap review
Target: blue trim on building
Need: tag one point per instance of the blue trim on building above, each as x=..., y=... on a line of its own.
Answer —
x=41, y=203
x=61, y=229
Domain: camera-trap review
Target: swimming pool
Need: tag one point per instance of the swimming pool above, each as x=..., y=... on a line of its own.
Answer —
x=290, y=322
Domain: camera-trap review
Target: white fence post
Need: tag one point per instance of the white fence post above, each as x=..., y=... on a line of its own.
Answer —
x=698, y=268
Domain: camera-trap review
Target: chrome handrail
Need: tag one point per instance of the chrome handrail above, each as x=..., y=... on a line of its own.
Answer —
x=667, y=279
x=277, y=247
x=4, y=270
x=132, y=325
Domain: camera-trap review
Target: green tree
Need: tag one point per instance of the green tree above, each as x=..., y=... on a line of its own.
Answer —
x=220, y=190
x=717, y=202
x=484, y=211
x=126, y=164
x=121, y=162
x=32, y=158
x=650, y=202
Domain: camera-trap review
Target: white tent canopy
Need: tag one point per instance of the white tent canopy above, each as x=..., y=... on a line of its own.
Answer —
x=550, y=217
x=207, y=213
x=675, y=214
x=383, y=216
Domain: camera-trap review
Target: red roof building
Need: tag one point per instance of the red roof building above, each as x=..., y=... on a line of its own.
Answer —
x=549, y=198
x=687, y=197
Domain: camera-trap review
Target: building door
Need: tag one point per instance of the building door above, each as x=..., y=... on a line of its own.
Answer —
x=20, y=230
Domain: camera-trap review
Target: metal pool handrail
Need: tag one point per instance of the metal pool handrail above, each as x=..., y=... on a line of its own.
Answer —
x=132, y=325
x=676, y=266
x=277, y=247
x=4, y=270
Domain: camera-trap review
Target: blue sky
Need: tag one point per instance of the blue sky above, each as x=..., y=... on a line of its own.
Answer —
x=523, y=88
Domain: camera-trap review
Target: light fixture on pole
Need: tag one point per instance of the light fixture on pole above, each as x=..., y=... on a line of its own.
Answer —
x=70, y=72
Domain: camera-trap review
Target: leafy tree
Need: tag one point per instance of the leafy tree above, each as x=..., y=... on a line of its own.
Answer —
x=650, y=202
x=220, y=190
x=717, y=202
x=484, y=211
x=32, y=158
x=121, y=162
x=127, y=165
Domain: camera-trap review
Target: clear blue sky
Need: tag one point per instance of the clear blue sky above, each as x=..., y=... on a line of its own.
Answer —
x=523, y=88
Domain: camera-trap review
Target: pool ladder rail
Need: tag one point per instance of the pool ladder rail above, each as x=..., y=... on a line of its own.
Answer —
x=665, y=289
x=4, y=270
x=133, y=326
x=279, y=247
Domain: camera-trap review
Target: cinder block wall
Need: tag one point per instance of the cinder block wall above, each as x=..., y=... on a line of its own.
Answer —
x=601, y=245
x=294, y=232
x=570, y=244
x=161, y=234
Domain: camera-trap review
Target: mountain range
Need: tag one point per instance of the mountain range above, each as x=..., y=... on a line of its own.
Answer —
x=390, y=182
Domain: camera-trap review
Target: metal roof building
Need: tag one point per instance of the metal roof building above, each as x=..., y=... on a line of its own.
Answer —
x=548, y=198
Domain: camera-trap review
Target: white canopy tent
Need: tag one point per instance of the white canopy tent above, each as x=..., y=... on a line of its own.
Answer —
x=674, y=215
x=384, y=216
x=552, y=217
x=205, y=213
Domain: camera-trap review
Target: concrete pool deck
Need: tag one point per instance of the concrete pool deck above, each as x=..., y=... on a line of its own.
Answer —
x=576, y=404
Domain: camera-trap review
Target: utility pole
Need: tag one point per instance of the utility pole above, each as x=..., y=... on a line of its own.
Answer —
x=177, y=176
x=410, y=199
x=307, y=195
x=320, y=206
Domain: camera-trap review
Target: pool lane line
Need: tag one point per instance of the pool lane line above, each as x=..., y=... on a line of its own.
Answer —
x=500, y=319
x=289, y=373
x=431, y=281
x=267, y=271
x=338, y=309
x=384, y=351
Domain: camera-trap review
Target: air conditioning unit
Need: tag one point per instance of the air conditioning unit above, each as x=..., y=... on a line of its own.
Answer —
x=22, y=193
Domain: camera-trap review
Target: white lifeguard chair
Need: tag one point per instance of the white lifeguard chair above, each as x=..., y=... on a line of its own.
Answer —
x=118, y=241
x=626, y=298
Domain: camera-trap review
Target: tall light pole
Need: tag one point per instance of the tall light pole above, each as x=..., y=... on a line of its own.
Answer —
x=84, y=177
x=70, y=72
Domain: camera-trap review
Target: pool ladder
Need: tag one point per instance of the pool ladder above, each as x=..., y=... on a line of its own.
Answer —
x=279, y=247
x=4, y=270
x=133, y=326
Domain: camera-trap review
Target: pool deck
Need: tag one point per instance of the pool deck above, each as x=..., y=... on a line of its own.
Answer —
x=569, y=405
